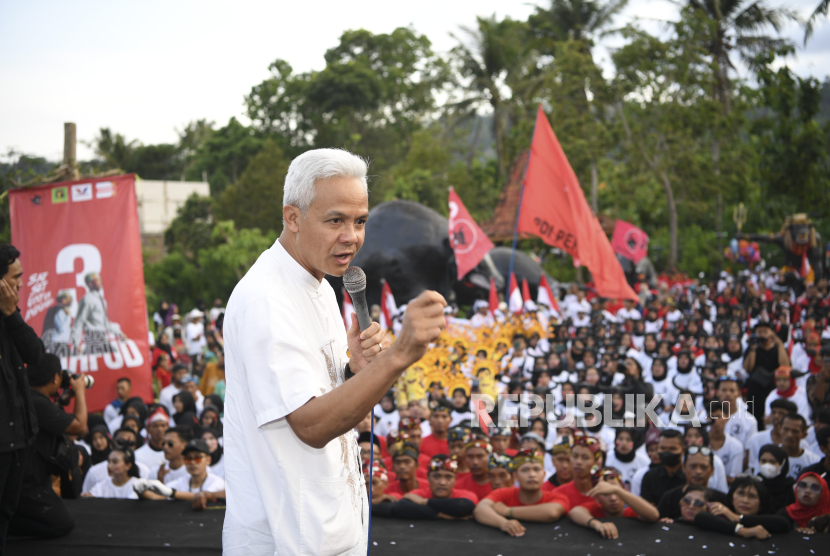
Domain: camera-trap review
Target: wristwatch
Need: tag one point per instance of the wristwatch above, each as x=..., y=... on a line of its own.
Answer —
x=347, y=371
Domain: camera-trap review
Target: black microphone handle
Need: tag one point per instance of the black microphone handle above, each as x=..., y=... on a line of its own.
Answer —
x=361, y=308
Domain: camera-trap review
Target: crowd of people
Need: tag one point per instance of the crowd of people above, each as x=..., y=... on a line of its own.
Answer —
x=735, y=372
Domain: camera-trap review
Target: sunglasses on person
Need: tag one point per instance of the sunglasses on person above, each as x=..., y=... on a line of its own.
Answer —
x=168, y=443
x=804, y=485
x=130, y=443
x=693, y=502
x=194, y=458
x=705, y=450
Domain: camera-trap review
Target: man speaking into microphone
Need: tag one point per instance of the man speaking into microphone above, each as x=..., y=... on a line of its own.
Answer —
x=293, y=473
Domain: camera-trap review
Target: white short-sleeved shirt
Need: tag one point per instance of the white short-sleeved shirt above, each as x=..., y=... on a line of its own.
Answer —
x=98, y=473
x=797, y=465
x=149, y=457
x=285, y=343
x=171, y=474
x=732, y=453
x=106, y=489
x=212, y=484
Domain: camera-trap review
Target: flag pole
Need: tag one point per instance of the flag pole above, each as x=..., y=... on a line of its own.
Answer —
x=519, y=210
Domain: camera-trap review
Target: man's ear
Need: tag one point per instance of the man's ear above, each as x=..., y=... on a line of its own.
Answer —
x=292, y=215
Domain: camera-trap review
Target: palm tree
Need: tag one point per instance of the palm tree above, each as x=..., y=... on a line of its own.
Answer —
x=739, y=26
x=493, y=57
x=820, y=11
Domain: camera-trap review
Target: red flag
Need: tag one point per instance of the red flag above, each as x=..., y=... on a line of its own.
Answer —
x=630, y=241
x=83, y=291
x=525, y=290
x=387, y=306
x=469, y=242
x=348, y=309
x=554, y=208
x=514, y=300
x=494, y=297
x=545, y=295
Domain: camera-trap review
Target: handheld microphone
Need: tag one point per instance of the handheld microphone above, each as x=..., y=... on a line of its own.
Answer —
x=354, y=280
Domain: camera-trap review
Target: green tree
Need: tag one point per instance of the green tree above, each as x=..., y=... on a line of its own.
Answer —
x=819, y=13
x=113, y=148
x=191, y=230
x=255, y=200
x=223, y=155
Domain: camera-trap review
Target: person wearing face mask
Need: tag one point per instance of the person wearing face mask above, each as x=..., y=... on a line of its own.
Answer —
x=668, y=474
x=746, y=513
x=774, y=467
x=772, y=435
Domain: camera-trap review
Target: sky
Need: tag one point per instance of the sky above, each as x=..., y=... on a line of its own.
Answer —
x=145, y=69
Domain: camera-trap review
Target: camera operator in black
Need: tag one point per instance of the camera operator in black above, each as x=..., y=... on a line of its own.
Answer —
x=41, y=513
x=19, y=344
x=766, y=352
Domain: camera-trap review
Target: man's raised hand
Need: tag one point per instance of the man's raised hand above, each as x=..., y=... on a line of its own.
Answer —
x=422, y=324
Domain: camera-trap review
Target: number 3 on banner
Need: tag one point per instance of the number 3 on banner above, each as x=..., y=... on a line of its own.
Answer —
x=90, y=257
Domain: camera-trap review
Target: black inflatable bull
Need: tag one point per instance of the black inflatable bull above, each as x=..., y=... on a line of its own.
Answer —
x=407, y=245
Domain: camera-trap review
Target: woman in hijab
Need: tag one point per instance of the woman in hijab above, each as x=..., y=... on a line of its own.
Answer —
x=812, y=500
x=773, y=467
x=216, y=401
x=183, y=402
x=134, y=407
x=210, y=420
x=217, y=463
x=137, y=426
x=746, y=514
x=100, y=443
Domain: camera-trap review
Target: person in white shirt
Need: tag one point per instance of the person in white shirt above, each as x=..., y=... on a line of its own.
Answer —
x=195, y=332
x=788, y=389
x=191, y=384
x=217, y=453
x=196, y=457
x=215, y=311
x=579, y=305
x=292, y=474
x=725, y=446
x=151, y=453
x=629, y=311
x=124, y=438
x=123, y=389
x=772, y=434
x=482, y=316
x=742, y=424
x=794, y=430
x=122, y=476
x=624, y=458
x=177, y=374
x=387, y=414
x=175, y=440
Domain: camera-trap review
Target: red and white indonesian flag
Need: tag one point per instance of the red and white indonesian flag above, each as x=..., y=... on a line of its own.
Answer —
x=348, y=309
x=545, y=295
x=388, y=309
x=515, y=303
x=468, y=241
x=494, y=297
x=83, y=291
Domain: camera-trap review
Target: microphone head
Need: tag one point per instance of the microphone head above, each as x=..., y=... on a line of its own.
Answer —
x=354, y=280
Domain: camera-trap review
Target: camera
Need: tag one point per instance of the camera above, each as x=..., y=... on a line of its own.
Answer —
x=622, y=367
x=753, y=339
x=66, y=376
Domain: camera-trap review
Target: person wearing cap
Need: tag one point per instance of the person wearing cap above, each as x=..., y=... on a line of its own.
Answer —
x=441, y=500
x=196, y=456
x=175, y=441
x=477, y=452
x=500, y=471
x=405, y=464
x=439, y=422
x=503, y=508
x=177, y=374
x=611, y=500
x=195, y=333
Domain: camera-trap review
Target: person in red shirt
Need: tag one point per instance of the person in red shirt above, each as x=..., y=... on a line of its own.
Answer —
x=457, y=438
x=476, y=452
x=585, y=453
x=439, y=422
x=611, y=500
x=412, y=436
x=405, y=464
x=500, y=469
x=380, y=480
x=503, y=508
x=440, y=500
x=500, y=441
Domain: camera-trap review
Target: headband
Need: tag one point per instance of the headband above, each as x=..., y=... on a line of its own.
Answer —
x=783, y=371
x=377, y=471
x=158, y=415
x=500, y=460
x=446, y=463
x=404, y=449
x=479, y=443
x=528, y=456
x=563, y=448
x=459, y=433
x=408, y=423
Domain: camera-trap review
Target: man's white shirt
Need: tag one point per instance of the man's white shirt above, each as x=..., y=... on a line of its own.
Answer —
x=285, y=344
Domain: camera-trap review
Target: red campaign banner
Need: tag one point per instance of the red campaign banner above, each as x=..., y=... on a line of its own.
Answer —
x=629, y=241
x=83, y=285
x=469, y=242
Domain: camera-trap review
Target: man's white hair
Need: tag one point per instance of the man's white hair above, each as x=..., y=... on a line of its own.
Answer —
x=319, y=164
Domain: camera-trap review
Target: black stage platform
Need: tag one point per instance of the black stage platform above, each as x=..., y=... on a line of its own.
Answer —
x=127, y=528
